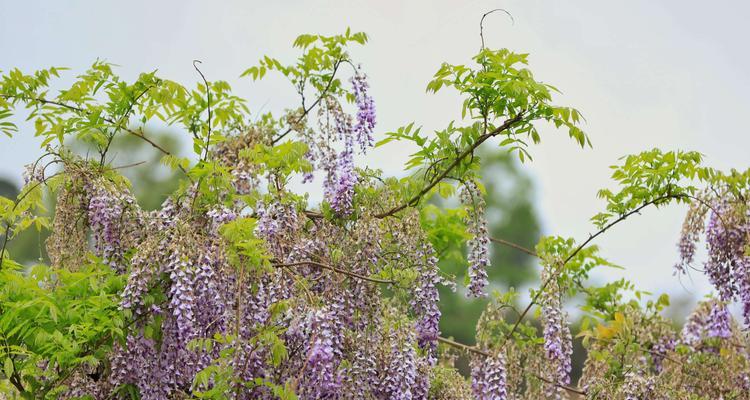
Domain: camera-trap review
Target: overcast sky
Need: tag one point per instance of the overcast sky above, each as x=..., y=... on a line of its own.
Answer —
x=668, y=74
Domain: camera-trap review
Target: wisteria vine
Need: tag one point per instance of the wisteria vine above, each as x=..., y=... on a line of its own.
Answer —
x=240, y=287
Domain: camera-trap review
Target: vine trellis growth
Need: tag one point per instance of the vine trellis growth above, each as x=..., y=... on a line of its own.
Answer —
x=239, y=287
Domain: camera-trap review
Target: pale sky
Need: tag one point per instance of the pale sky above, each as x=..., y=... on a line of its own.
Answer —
x=668, y=74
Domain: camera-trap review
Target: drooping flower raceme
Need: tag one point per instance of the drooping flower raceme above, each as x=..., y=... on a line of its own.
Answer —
x=33, y=173
x=727, y=242
x=489, y=378
x=692, y=227
x=343, y=193
x=637, y=386
x=727, y=238
x=558, y=343
x=710, y=320
x=660, y=349
x=725, y=246
x=400, y=373
x=324, y=355
x=478, y=245
x=114, y=220
x=425, y=300
x=365, y=111
x=719, y=321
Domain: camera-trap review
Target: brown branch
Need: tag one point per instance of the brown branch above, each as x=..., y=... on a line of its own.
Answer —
x=485, y=353
x=515, y=246
x=578, y=250
x=135, y=164
x=415, y=199
x=334, y=269
x=122, y=120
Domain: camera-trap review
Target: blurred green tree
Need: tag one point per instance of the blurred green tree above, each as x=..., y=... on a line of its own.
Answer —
x=511, y=215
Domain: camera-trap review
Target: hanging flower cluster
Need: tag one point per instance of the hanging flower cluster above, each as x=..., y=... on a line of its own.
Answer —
x=558, y=343
x=114, y=219
x=727, y=241
x=337, y=127
x=32, y=173
x=425, y=299
x=478, y=245
x=488, y=378
x=400, y=372
x=365, y=126
x=709, y=321
x=692, y=227
x=648, y=359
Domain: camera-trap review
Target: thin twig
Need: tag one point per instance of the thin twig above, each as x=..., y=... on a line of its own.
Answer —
x=208, y=106
x=81, y=111
x=135, y=164
x=307, y=110
x=334, y=269
x=481, y=22
x=485, y=353
x=122, y=120
x=515, y=246
x=578, y=250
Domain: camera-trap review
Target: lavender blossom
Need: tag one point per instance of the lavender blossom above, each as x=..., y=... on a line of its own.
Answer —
x=488, y=378
x=400, y=373
x=709, y=320
x=365, y=111
x=343, y=193
x=725, y=243
x=719, y=321
x=276, y=223
x=32, y=173
x=425, y=300
x=558, y=343
x=323, y=356
x=478, y=245
x=181, y=293
x=659, y=351
x=219, y=216
x=110, y=222
x=689, y=236
x=637, y=386
x=742, y=271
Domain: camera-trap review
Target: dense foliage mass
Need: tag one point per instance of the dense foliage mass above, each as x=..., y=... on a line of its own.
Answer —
x=238, y=288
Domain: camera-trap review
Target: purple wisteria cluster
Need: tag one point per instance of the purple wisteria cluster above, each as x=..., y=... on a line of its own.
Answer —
x=692, y=227
x=276, y=222
x=337, y=126
x=365, y=126
x=32, y=173
x=425, y=300
x=198, y=294
x=114, y=219
x=399, y=377
x=489, y=377
x=727, y=235
x=478, y=245
x=558, y=342
x=637, y=387
x=324, y=356
x=710, y=320
x=659, y=350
